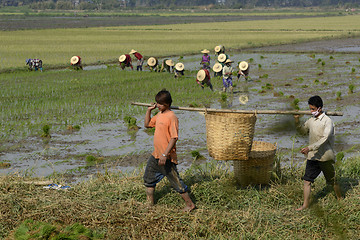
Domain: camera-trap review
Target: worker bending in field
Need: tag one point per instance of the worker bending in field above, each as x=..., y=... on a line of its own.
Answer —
x=179, y=70
x=35, y=64
x=140, y=59
x=243, y=70
x=167, y=65
x=125, y=61
x=76, y=62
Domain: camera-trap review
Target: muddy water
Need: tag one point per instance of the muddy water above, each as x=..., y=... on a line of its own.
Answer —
x=298, y=74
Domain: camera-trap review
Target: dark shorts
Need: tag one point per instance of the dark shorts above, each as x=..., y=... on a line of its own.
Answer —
x=154, y=173
x=314, y=168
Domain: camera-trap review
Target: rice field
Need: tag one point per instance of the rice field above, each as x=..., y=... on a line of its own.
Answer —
x=104, y=45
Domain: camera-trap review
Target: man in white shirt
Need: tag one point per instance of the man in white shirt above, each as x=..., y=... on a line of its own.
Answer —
x=319, y=152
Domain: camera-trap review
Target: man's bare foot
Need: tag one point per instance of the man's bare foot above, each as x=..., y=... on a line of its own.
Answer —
x=189, y=208
x=301, y=208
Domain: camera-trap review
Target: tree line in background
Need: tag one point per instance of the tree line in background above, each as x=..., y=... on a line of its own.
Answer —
x=158, y=4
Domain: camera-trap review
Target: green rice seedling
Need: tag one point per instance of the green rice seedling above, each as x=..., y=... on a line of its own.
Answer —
x=295, y=104
x=351, y=88
x=324, y=83
x=150, y=131
x=262, y=57
x=275, y=63
x=304, y=86
x=319, y=60
x=4, y=164
x=73, y=128
x=252, y=60
x=316, y=81
x=312, y=55
x=331, y=58
x=323, y=63
x=223, y=97
x=264, y=76
x=353, y=70
x=268, y=86
x=131, y=123
x=46, y=131
x=259, y=66
x=338, y=95
x=196, y=155
x=340, y=156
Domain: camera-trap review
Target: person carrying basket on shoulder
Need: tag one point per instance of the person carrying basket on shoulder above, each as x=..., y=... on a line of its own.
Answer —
x=320, y=156
x=163, y=160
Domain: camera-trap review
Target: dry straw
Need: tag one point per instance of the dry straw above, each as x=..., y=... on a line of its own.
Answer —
x=257, y=169
x=229, y=135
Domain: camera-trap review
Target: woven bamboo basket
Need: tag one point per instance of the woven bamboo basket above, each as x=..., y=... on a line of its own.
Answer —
x=229, y=135
x=257, y=169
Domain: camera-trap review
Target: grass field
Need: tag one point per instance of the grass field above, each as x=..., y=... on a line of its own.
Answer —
x=104, y=45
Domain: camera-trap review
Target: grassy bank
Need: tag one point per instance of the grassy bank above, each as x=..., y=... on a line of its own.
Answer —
x=112, y=206
x=103, y=45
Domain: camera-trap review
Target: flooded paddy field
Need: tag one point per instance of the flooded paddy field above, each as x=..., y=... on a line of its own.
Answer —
x=277, y=78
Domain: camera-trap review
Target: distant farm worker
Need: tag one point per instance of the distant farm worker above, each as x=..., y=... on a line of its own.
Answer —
x=203, y=77
x=167, y=65
x=222, y=58
x=217, y=68
x=227, y=76
x=205, y=60
x=152, y=63
x=163, y=161
x=140, y=59
x=243, y=70
x=179, y=70
x=76, y=62
x=125, y=61
x=319, y=153
x=219, y=50
x=35, y=64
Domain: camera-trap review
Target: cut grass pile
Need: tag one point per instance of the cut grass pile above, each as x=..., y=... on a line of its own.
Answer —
x=114, y=207
x=104, y=45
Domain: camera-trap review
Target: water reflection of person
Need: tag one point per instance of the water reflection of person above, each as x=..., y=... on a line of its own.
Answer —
x=163, y=160
x=319, y=153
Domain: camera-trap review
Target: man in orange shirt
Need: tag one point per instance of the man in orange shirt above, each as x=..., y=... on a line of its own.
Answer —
x=163, y=160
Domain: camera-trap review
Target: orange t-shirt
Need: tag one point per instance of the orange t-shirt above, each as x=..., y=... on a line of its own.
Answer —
x=166, y=127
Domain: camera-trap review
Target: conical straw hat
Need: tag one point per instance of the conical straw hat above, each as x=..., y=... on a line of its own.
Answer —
x=222, y=57
x=132, y=51
x=243, y=65
x=169, y=62
x=201, y=75
x=74, y=60
x=217, y=67
x=218, y=48
x=151, y=61
x=179, y=66
x=122, y=58
x=205, y=51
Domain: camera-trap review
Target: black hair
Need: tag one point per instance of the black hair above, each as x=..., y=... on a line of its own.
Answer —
x=163, y=97
x=316, y=101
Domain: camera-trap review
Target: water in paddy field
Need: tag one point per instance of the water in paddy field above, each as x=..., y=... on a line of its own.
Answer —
x=289, y=73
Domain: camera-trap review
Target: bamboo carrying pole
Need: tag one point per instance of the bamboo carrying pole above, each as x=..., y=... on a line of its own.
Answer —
x=288, y=112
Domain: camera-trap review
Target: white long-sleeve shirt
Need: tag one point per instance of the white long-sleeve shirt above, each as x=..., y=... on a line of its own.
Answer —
x=321, y=138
